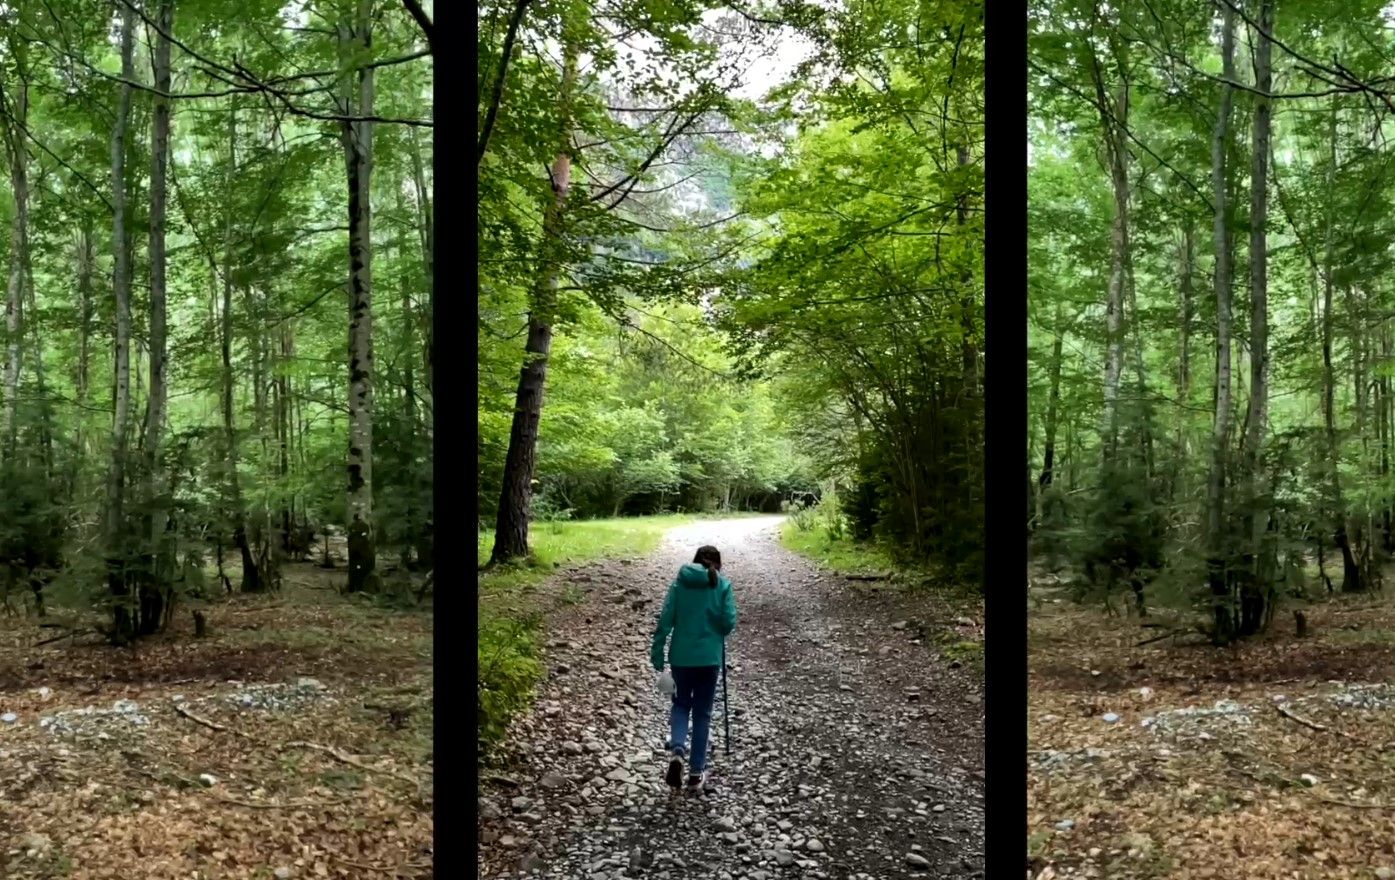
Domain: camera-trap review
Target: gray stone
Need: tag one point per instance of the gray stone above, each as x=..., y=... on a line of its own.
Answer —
x=917, y=862
x=552, y=780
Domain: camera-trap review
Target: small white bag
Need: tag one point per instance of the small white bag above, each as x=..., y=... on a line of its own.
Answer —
x=665, y=683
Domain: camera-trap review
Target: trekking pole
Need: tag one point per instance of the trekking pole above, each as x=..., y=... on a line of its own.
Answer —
x=726, y=703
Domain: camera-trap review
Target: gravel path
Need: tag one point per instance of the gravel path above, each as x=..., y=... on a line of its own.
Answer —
x=856, y=751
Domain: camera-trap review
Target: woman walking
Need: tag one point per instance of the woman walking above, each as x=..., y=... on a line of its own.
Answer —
x=700, y=612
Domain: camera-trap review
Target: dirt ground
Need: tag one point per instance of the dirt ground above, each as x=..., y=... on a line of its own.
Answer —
x=1274, y=758
x=294, y=741
x=856, y=718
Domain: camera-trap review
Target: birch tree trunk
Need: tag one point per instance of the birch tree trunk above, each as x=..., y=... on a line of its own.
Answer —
x=1216, y=544
x=1254, y=596
x=124, y=628
x=155, y=588
x=16, y=111
x=251, y=581
x=428, y=252
x=84, y=283
x=1118, y=256
x=1351, y=572
x=355, y=41
x=1186, y=311
x=1048, y=464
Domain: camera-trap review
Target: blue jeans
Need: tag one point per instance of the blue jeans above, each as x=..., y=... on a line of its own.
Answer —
x=695, y=687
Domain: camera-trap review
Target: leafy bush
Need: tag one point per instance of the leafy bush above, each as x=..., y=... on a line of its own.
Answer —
x=805, y=518
x=509, y=667
x=550, y=508
x=830, y=514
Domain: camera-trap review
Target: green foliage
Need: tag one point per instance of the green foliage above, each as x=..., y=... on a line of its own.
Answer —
x=866, y=292
x=257, y=201
x=509, y=667
x=638, y=423
x=1133, y=489
x=833, y=547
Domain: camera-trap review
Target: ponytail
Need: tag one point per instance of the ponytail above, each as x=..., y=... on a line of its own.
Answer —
x=710, y=558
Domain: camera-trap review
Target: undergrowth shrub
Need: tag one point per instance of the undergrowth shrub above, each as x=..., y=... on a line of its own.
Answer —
x=831, y=517
x=805, y=518
x=510, y=665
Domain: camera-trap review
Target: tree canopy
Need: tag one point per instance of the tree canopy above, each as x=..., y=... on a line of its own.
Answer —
x=735, y=289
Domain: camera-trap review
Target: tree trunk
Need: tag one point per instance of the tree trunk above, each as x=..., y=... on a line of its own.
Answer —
x=355, y=41
x=154, y=591
x=1387, y=515
x=236, y=515
x=16, y=114
x=283, y=438
x=1048, y=464
x=1351, y=573
x=515, y=502
x=124, y=628
x=1187, y=307
x=44, y=416
x=1216, y=544
x=428, y=253
x=84, y=362
x=1111, y=119
x=1184, y=363
x=258, y=520
x=1359, y=536
x=1254, y=594
x=409, y=404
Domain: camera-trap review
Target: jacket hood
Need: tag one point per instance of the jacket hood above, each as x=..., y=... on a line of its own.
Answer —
x=693, y=575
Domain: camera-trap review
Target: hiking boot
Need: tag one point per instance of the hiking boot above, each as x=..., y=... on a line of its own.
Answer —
x=697, y=782
x=674, y=777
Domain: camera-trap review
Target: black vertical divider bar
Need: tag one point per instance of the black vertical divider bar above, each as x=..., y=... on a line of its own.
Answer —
x=1005, y=389
x=456, y=280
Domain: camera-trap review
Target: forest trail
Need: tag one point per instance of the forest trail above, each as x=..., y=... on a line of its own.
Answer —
x=856, y=750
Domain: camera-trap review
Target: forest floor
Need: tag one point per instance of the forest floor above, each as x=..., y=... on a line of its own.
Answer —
x=856, y=736
x=293, y=741
x=1274, y=758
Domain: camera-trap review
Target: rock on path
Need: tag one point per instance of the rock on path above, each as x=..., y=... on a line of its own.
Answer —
x=856, y=752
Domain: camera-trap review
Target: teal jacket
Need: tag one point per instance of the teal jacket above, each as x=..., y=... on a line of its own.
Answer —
x=699, y=615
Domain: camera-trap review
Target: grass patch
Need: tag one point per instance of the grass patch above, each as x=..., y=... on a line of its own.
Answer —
x=968, y=652
x=568, y=542
x=838, y=553
x=1357, y=638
